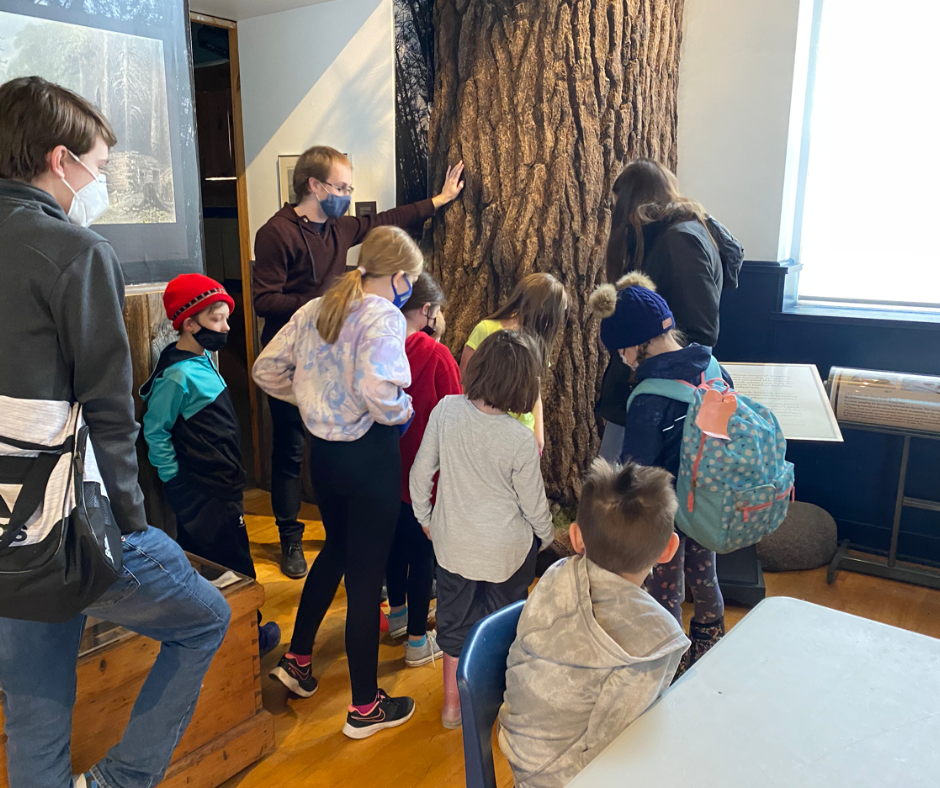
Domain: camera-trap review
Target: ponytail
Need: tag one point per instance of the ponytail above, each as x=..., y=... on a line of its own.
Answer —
x=335, y=305
x=386, y=251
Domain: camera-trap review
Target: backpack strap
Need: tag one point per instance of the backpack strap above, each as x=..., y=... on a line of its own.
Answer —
x=713, y=372
x=675, y=389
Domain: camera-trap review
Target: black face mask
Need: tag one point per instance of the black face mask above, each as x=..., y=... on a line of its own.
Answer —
x=213, y=341
x=431, y=326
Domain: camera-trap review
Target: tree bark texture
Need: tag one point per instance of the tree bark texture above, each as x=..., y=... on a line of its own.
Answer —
x=545, y=101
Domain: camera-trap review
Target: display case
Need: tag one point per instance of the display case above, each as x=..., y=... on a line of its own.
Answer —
x=229, y=731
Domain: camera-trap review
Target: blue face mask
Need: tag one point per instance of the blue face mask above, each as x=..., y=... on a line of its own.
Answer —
x=335, y=205
x=401, y=299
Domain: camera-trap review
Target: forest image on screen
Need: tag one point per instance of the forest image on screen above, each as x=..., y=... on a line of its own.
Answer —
x=125, y=76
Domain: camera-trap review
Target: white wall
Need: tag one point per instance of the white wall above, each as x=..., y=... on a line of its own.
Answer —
x=321, y=75
x=739, y=105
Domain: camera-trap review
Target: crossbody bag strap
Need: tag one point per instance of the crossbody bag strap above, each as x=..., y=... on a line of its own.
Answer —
x=40, y=448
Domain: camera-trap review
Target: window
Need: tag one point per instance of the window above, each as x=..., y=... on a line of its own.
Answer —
x=870, y=229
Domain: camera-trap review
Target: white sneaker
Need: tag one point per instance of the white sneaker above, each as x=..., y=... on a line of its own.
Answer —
x=429, y=651
x=398, y=623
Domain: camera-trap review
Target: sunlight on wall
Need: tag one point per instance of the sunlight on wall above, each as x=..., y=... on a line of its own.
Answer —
x=319, y=75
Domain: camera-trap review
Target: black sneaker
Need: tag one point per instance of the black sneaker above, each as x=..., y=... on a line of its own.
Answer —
x=293, y=563
x=387, y=713
x=298, y=680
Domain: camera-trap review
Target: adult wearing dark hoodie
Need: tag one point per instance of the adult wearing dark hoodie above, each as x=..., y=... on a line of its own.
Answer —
x=689, y=256
x=64, y=343
x=299, y=253
x=638, y=330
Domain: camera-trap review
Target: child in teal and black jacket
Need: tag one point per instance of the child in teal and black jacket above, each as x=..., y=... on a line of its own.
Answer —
x=192, y=432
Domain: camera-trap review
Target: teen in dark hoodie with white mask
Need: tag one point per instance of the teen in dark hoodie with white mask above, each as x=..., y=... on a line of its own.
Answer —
x=65, y=344
x=593, y=650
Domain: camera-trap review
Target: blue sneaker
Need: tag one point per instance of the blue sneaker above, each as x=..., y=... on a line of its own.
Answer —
x=84, y=781
x=269, y=636
x=398, y=622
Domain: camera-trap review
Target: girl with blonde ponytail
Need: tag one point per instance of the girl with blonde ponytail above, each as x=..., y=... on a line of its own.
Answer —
x=341, y=360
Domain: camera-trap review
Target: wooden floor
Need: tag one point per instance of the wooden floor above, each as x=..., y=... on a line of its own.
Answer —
x=311, y=750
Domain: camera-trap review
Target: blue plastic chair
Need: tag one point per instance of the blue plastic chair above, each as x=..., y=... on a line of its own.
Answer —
x=481, y=679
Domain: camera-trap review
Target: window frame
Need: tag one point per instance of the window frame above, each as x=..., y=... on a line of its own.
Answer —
x=796, y=239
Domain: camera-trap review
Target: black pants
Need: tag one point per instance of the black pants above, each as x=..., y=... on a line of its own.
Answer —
x=287, y=455
x=411, y=570
x=461, y=602
x=358, y=489
x=214, y=529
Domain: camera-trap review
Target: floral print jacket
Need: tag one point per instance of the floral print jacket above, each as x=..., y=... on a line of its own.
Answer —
x=344, y=388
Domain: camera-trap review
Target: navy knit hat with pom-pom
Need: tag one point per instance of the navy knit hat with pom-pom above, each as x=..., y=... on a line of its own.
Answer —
x=633, y=312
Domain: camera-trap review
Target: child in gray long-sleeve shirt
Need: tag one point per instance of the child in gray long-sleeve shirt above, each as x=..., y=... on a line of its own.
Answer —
x=593, y=650
x=490, y=516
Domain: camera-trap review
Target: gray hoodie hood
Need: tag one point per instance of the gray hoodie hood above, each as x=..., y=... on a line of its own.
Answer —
x=592, y=652
x=566, y=630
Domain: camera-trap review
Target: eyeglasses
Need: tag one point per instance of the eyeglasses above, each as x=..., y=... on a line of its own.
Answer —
x=341, y=189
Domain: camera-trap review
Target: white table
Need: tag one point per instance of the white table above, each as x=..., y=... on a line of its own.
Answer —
x=796, y=695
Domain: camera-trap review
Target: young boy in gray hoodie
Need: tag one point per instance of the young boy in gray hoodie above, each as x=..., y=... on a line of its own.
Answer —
x=593, y=650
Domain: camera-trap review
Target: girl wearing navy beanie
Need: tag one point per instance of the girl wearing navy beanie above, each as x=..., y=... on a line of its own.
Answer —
x=639, y=328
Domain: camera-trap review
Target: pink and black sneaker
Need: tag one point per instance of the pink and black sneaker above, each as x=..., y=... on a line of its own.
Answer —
x=385, y=713
x=298, y=679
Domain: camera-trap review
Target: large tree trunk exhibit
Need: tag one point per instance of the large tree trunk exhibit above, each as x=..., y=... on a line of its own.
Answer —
x=545, y=101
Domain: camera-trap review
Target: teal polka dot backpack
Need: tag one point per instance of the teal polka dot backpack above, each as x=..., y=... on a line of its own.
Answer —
x=734, y=484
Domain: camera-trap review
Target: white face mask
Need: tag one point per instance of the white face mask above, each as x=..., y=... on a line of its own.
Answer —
x=624, y=360
x=90, y=201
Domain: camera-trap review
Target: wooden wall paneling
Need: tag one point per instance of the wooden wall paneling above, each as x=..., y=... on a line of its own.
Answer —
x=148, y=331
x=244, y=237
x=215, y=21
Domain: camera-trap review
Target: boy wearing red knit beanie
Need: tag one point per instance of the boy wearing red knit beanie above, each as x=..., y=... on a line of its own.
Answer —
x=192, y=432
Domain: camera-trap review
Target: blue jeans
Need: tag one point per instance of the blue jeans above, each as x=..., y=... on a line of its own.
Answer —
x=159, y=596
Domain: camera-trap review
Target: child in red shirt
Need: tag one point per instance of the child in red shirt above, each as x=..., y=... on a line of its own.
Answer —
x=434, y=375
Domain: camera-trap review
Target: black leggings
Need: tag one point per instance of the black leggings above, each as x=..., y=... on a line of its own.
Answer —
x=358, y=489
x=411, y=570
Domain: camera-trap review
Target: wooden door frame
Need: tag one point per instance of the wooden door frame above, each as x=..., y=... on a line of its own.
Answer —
x=244, y=230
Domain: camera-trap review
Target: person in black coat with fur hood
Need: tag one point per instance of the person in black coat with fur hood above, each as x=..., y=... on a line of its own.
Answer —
x=689, y=256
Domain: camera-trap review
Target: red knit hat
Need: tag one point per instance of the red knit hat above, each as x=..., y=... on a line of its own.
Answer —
x=189, y=294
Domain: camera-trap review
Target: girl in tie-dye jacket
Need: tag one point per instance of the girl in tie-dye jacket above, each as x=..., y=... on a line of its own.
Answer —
x=341, y=359
x=341, y=388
